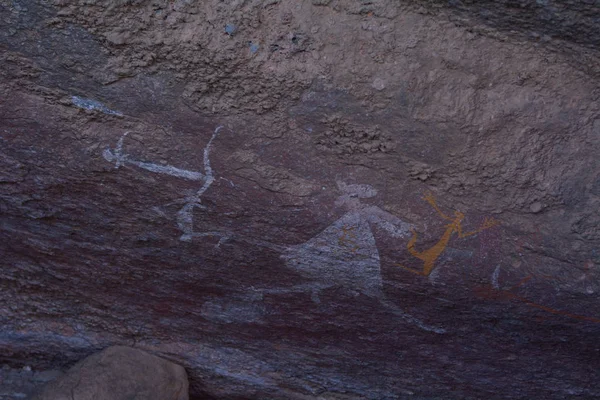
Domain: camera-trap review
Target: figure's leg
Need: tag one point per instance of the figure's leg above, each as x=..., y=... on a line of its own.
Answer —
x=222, y=237
x=411, y=245
x=314, y=296
x=411, y=249
x=414, y=271
x=428, y=267
x=185, y=220
x=409, y=318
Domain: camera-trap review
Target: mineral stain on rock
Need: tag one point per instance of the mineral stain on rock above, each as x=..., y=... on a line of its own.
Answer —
x=230, y=29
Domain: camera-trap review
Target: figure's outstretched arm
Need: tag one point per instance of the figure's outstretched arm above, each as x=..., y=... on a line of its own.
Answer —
x=464, y=235
x=413, y=270
x=487, y=223
x=431, y=200
x=120, y=158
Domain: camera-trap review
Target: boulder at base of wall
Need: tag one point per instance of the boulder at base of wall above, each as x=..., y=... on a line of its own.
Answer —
x=119, y=373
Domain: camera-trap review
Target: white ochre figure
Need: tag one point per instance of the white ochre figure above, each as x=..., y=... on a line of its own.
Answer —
x=345, y=253
x=185, y=216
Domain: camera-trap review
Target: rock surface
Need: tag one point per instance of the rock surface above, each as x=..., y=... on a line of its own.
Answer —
x=19, y=384
x=333, y=199
x=117, y=373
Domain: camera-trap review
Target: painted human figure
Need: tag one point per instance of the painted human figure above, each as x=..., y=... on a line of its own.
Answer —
x=429, y=256
x=185, y=216
x=345, y=253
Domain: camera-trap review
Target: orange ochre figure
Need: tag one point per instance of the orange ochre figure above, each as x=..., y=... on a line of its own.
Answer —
x=430, y=255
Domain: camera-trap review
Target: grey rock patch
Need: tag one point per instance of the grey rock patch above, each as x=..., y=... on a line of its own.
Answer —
x=119, y=372
x=233, y=311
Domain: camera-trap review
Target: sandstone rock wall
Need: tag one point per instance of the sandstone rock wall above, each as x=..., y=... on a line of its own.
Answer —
x=345, y=199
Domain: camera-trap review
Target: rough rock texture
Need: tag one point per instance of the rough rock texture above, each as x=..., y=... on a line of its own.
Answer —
x=18, y=384
x=119, y=372
x=333, y=199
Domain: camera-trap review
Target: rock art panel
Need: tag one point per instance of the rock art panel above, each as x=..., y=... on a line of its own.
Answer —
x=303, y=297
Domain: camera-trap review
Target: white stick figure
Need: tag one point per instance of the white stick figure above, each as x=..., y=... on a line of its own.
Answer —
x=185, y=216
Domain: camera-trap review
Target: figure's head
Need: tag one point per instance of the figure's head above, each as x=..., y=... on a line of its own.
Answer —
x=459, y=215
x=359, y=191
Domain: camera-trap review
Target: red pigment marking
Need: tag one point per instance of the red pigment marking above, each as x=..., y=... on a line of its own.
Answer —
x=488, y=292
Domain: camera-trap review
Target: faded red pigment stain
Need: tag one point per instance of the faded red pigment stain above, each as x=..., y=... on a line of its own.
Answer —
x=490, y=247
x=587, y=266
x=536, y=240
x=488, y=292
x=490, y=242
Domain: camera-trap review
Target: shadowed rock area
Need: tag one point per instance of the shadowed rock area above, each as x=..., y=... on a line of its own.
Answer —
x=326, y=199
